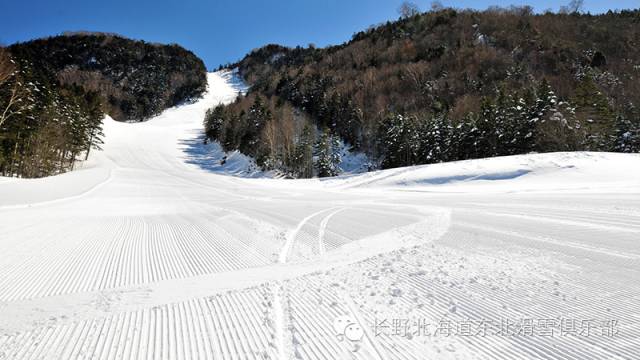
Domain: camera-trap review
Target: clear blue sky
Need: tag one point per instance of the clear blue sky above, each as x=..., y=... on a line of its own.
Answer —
x=221, y=31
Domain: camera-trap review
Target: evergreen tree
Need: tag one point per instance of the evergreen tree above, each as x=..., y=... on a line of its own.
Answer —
x=486, y=134
x=463, y=139
x=398, y=136
x=558, y=130
x=522, y=132
x=303, y=155
x=434, y=140
x=95, y=116
x=545, y=99
x=504, y=123
x=255, y=121
x=214, y=122
x=594, y=112
x=348, y=121
x=328, y=154
x=231, y=134
x=627, y=138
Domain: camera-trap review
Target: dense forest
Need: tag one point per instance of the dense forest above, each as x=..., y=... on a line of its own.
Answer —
x=54, y=93
x=440, y=86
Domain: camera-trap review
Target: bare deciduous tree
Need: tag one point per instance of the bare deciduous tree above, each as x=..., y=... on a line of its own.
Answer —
x=408, y=9
x=7, y=68
x=436, y=6
x=574, y=6
x=11, y=91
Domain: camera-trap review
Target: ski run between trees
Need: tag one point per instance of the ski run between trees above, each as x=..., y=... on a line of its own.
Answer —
x=152, y=250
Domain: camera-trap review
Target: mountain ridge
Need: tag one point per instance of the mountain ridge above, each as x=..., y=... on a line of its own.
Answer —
x=444, y=85
x=55, y=91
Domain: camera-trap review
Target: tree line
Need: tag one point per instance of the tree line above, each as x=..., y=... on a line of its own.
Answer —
x=137, y=79
x=44, y=129
x=277, y=135
x=450, y=85
x=55, y=92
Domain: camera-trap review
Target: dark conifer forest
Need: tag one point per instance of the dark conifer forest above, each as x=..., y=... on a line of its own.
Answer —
x=55, y=91
x=441, y=86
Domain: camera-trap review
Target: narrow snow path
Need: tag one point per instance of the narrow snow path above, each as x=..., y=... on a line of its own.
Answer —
x=323, y=228
x=291, y=235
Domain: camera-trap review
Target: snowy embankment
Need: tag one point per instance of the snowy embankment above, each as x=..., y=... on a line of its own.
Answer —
x=534, y=172
x=151, y=251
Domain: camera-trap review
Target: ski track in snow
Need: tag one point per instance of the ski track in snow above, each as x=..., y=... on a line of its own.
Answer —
x=146, y=252
x=323, y=228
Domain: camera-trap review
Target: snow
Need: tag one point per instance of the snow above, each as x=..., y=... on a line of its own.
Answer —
x=211, y=157
x=150, y=250
x=353, y=162
x=576, y=171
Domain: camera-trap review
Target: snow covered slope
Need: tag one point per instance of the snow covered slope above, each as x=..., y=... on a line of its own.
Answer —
x=576, y=171
x=149, y=251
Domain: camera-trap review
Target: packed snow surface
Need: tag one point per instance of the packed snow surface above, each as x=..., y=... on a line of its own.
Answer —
x=159, y=247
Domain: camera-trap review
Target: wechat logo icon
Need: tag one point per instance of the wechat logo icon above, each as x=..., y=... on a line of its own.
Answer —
x=347, y=330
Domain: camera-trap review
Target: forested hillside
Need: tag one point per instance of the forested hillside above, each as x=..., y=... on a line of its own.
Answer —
x=54, y=93
x=443, y=85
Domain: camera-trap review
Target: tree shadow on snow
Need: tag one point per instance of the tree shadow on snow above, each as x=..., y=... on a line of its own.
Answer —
x=210, y=157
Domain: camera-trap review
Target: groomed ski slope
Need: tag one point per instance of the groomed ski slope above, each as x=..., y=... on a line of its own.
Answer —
x=149, y=251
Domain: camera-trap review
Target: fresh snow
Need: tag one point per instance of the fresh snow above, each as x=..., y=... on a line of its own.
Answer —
x=537, y=172
x=211, y=157
x=150, y=250
x=352, y=162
